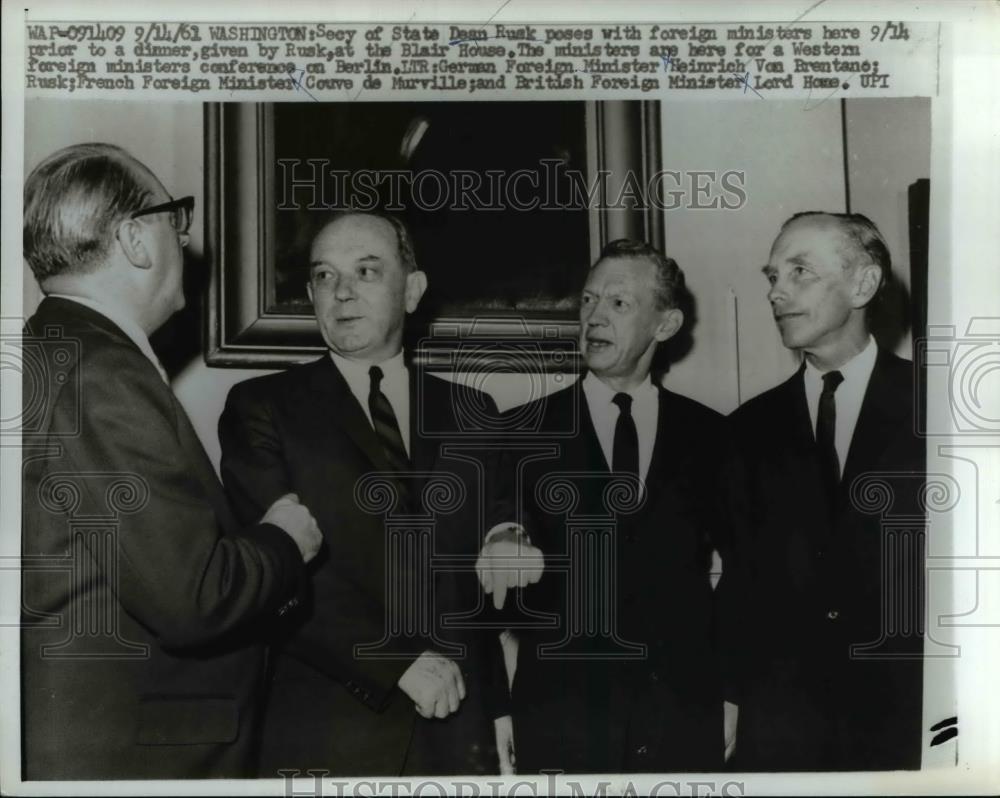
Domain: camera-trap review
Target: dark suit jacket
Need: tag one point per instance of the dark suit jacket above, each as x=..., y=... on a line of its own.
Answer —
x=137, y=659
x=304, y=431
x=660, y=710
x=821, y=579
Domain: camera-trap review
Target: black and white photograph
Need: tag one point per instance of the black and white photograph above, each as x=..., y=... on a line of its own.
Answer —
x=554, y=401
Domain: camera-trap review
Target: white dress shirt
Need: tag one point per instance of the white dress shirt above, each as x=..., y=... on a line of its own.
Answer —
x=124, y=323
x=604, y=414
x=847, y=398
x=395, y=385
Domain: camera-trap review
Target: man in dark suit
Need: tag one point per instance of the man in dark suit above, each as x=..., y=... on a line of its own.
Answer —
x=140, y=590
x=365, y=679
x=615, y=666
x=833, y=598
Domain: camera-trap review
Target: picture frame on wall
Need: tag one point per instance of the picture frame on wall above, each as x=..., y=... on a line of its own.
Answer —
x=504, y=223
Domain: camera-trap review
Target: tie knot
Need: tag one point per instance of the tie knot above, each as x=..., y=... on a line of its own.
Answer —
x=624, y=402
x=831, y=380
x=375, y=373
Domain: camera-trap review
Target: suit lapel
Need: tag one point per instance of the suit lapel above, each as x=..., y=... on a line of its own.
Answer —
x=878, y=423
x=426, y=399
x=340, y=411
x=802, y=435
x=585, y=448
x=202, y=467
x=663, y=467
x=54, y=310
x=800, y=445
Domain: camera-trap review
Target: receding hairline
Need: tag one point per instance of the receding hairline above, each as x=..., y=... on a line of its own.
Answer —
x=348, y=217
x=639, y=256
x=825, y=222
x=394, y=237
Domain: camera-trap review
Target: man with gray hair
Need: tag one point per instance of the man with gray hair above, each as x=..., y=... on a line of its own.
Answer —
x=140, y=591
x=833, y=609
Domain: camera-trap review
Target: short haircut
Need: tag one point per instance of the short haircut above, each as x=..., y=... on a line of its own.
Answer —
x=404, y=241
x=863, y=237
x=669, y=277
x=73, y=201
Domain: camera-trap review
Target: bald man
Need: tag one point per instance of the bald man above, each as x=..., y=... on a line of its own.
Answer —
x=142, y=595
x=357, y=690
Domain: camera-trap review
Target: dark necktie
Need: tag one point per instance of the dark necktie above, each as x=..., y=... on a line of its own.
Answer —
x=826, y=431
x=625, y=455
x=384, y=422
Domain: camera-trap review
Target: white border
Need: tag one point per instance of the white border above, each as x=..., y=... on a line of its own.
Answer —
x=964, y=256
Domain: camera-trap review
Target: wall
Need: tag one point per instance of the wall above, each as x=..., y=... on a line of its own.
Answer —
x=888, y=145
x=736, y=352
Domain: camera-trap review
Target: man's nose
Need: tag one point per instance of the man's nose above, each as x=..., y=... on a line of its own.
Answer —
x=777, y=292
x=185, y=239
x=595, y=314
x=345, y=289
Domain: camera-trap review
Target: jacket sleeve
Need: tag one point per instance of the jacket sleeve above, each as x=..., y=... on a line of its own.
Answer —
x=174, y=570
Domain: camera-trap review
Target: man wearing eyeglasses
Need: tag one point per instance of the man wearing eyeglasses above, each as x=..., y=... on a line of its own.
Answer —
x=141, y=593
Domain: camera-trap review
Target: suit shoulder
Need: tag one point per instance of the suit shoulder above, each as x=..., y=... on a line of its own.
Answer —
x=438, y=389
x=692, y=409
x=764, y=405
x=556, y=402
x=273, y=385
x=898, y=369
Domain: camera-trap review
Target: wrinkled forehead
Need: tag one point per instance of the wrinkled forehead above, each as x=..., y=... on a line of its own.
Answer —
x=812, y=234
x=635, y=275
x=357, y=236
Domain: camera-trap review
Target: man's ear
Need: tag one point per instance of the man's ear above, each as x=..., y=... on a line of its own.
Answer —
x=670, y=322
x=867, y=283
x=416, y=284
x=133, y=244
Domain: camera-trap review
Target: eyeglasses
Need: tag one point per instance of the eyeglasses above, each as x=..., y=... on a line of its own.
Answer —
x=181, y=212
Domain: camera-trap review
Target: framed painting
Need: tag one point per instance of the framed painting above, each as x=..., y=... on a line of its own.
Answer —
x=508, y=203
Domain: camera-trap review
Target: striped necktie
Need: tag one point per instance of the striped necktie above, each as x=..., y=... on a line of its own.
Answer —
x=386, y=427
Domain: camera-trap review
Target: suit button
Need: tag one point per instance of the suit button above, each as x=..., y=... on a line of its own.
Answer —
x=654, y=676
x=642, y=750
x=833, y=615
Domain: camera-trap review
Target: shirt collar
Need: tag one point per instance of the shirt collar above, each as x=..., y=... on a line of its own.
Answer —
x=600, y=392
x=855, y=371
x=354, y=370
x=121, y=320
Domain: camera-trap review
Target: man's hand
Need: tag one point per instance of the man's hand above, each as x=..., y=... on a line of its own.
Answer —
x=730, y=715
x=435, y=684
x=508, y=560
x=295, y=519
x=504, y=728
